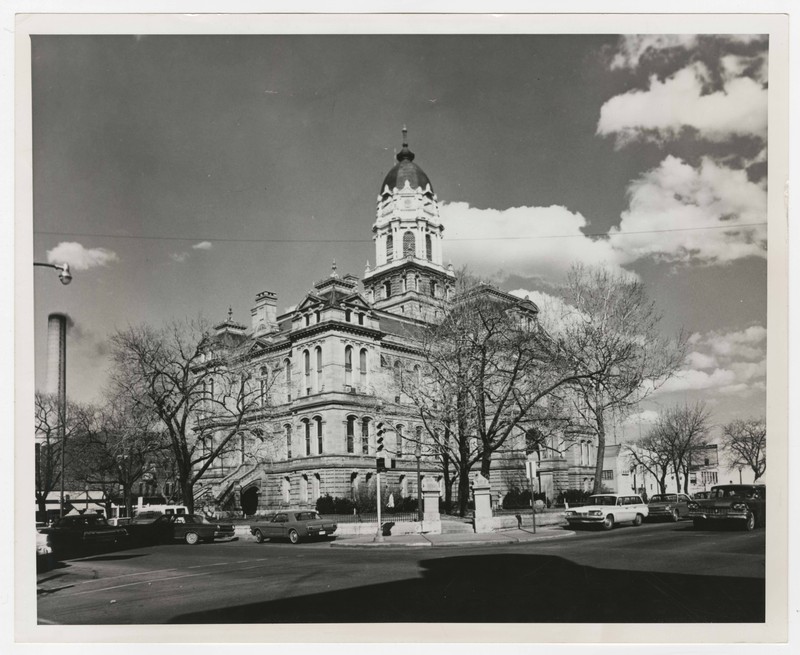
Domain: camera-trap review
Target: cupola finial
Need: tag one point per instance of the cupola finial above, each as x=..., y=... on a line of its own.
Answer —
x=405, y=153
x=405, y=136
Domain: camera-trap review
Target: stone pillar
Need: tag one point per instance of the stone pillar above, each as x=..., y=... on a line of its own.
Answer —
x=482, y=495
x=431, y=521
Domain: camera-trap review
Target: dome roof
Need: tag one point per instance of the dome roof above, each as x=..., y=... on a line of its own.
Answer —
x=406, y=170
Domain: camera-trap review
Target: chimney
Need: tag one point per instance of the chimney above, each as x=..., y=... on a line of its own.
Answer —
x=56, y=354
x=264, y=313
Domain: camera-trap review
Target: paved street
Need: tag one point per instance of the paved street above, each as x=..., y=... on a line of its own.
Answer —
x=654, y=573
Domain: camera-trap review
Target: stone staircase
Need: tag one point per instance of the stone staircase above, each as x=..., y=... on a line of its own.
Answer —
x=456, y=525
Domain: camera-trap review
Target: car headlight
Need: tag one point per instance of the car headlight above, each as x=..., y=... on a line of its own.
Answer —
x=667, y=507
x=739, y=506
x=595, y=512
x=693, y=506
x=569, y=513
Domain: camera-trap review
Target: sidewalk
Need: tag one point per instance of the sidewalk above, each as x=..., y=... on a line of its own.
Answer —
x=514, y=536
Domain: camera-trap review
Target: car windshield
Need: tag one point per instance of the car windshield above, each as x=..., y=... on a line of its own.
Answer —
x=663, y=498
x=601, y=500
x=194, y=518
x=306, y=516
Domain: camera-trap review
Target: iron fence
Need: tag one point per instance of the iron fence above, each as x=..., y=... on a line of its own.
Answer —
x=372, y=517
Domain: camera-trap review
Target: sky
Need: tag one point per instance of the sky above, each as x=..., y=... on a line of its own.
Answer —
x=182, y=175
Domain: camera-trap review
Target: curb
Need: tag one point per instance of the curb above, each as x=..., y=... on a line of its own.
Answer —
x=425, y=543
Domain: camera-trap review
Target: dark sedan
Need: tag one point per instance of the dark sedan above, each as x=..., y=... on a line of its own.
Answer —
x=292, y=525
x=81, y=533
x=153, y=527
x=672, y=507
x=741, y=504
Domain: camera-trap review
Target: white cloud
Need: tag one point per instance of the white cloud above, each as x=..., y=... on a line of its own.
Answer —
x=633, y=47
x=203, y=245
x=700, y=361
x=80, y=258
x=179, y=257
x=554, y=314
x=521, y=240
x=648, y=416
x=744, y=344
x=666, y=108
x=671, y=205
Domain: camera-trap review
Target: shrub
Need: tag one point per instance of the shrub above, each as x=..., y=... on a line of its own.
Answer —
x=572, y=496
x=334, y=505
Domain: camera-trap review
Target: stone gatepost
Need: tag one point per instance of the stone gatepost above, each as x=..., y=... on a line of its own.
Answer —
x=431, y=521
x=482, y=495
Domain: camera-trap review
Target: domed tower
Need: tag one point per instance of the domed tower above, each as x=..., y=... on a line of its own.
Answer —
x=409, y=277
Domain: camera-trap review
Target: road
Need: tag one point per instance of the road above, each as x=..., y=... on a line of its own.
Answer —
x=653, y=573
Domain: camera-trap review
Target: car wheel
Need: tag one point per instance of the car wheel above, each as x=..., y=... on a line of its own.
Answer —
x=608, y=522
x=750, y=522
x=293, y=536
x=191, y=538
x=698, y=524
x=638, y=520
x=259, y=537
x=676, y=516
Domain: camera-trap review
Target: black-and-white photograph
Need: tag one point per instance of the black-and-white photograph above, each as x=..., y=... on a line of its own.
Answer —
x=352, y=327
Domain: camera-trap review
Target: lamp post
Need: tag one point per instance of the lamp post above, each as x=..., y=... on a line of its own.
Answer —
x=418, y=455
x=740, y=474
x=66, y=277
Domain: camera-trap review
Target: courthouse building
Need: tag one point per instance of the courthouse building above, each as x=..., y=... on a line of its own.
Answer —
x=329, y=369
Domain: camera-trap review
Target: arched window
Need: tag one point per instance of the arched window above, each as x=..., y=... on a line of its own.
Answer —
x=409, y=244
x=318, y=377
x=303, y=489
x=211, y=387
x=263, y=386
x=362, y=367
x=351, y=431
x=361, y=319
x=433, y=289
x=416, y=283
x=405, y=284
x=404, y=486
x=318, y=422
x=287, y=430
x=417, y=374
x=389, y=247
x=287, y=368
x=308, y=319
x=307, y=370
x=387, y=289
x=398, y=372
x=348, y=365
x=347, y=315
x=428, y=247
x=307, y=431
x=365, y=436
x=317, y=316
x=316, y=486
x=287, y=489
x=398, y=431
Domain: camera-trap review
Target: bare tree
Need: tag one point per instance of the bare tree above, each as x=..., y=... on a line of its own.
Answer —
x=51, y=453
x=613, y=329
x=685, y=431
x=653, y=453
x=745, y=442
x=488, y=365
x=199, y=384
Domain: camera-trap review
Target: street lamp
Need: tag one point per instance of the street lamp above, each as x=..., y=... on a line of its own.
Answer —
x=418, y=455
x=66, y=277
x=63, y=271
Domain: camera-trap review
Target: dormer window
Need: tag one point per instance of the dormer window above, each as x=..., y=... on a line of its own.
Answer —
x=347, y=315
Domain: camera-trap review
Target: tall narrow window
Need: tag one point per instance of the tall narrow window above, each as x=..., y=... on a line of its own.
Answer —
x=405, y=284
x=287, y=489
x=287, y=429
x=399, y=440
x=287, y=369
x=316, y=486
x=361, y=319
x=347, y=315
x=365, y=436
x=307, y=371
x=263, y=387
x=428, y=247
x=433, y=289
x=307, y=429
x=362, y=367
x=308, y=319
x=409, y=244
x=318, y=422
x=348, y=365
x=304, y=488
x=389, y=248
x=351, y=431
x=211, y=388
x=318, y=377
x=387, y=289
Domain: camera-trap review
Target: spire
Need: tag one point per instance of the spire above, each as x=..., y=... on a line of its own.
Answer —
x=333, y=269
x=405, y=153
x=230, y=314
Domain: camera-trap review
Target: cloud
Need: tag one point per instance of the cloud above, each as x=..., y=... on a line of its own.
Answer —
x=666, y=109
x=679, y=202
x=203, y=245
x=554, y=314
x=633, y=49
x=649, y=416
x=522, y=240
x=80, y=258
x=179, y=257
x=727, y=363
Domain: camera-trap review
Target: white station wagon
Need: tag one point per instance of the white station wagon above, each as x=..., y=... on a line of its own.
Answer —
x=607, y=510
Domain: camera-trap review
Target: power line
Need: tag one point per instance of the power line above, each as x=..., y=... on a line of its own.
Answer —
x=486, y=238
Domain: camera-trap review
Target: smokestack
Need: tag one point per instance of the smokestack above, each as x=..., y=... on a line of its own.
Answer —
x=56, y=354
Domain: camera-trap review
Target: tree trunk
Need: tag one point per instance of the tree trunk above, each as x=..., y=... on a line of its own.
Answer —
x=486, y=464
x=128, y=499
x=463, y=490
x=42, y=505
x=662, y=482
x=601, y=450
x=187, y=491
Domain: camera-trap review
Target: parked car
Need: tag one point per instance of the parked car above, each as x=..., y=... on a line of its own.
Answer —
x=742, y=504
x=119, y=520
x=80, y=533
x=293, y=525
x=701, y=494
x=668, y=506
x=607, y=510
x=155, y=527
